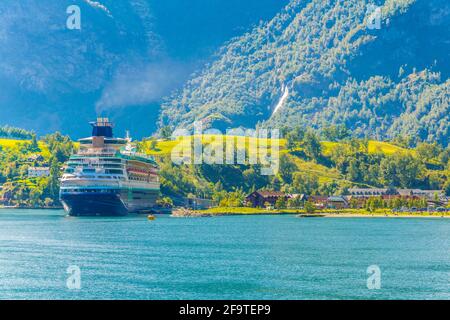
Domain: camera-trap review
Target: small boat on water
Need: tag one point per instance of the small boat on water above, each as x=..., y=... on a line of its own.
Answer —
x=151, y=217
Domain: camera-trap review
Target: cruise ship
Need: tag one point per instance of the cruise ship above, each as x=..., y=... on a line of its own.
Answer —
x=107, y=177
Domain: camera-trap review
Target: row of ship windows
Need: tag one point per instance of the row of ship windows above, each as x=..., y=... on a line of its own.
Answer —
x=106, y=141
x=107, y=171
x=152, y=179
x=95, y=161
x=88, y=190
x=108, y=177
x=87, y=167
x=143, y=179
x=86, y=170
x=97, y=165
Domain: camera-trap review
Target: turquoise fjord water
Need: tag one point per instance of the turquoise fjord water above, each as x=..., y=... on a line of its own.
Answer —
x=237, y=257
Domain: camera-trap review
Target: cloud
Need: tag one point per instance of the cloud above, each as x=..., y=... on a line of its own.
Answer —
x=144, y=12
x=98, y=5
x=140, y=84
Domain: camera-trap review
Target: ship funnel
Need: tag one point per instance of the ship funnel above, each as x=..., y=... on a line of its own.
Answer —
x=102, y=128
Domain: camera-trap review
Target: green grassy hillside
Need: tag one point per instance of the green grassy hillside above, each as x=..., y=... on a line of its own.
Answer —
x=164, y=147
x=339, y=164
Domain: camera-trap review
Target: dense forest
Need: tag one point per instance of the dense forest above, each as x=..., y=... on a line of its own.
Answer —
x=321, y=64
x=15, y=133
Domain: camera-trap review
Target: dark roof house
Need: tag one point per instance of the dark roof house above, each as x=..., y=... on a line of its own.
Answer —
x=261, y=197
x=369, y=192
x=337, y=202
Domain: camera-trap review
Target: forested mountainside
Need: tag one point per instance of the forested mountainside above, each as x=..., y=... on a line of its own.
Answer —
x=324, y=62
x=126, y=57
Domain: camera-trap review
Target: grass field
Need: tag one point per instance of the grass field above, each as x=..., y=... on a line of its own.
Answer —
x=324, y=174
x=162, y=147
x=385, y=148
x=10, y=143
x=372, y=147
x=165, y=147
x=14, y=143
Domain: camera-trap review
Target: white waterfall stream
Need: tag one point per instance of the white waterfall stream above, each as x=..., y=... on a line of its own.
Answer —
x=282, y=100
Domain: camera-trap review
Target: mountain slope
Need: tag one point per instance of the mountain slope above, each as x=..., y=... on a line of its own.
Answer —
x=379, y=82
x=127, y=55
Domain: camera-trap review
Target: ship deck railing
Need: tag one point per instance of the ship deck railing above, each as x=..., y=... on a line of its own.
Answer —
x=104, y=152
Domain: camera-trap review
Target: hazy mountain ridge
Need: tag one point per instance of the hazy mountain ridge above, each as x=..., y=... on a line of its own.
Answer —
x=379, y=82
x=126, y=57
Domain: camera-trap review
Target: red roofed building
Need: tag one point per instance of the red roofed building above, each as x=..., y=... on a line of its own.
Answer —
x=262, y=197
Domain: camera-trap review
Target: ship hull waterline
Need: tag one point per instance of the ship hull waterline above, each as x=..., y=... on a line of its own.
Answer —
x=94, y=205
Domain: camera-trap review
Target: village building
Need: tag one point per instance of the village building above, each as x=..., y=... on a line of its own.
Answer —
x=337, y=202
x=262, y=197
x=389, y=193
x=428, y=194
x=320, y=202
x=34, y=172
x=198, y=203
x=370, y=192
x=355, y=201
x=299, y=196
x=357, y=198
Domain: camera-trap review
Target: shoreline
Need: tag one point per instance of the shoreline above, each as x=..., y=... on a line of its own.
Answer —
x=219, y=212
x=386, y=216
x=349, y=213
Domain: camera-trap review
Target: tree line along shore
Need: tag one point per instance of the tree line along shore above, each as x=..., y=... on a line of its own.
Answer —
x=322, y=163
x=329, y=213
